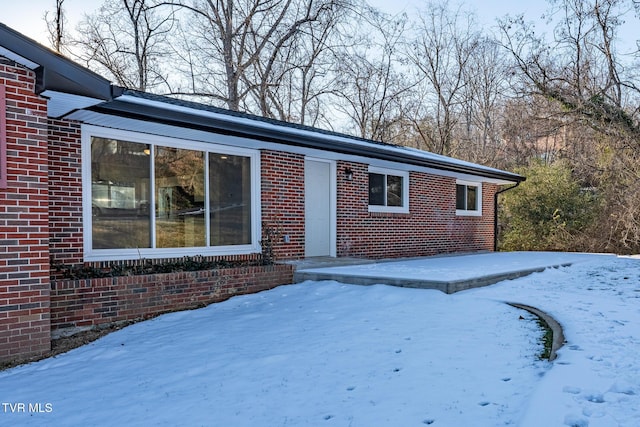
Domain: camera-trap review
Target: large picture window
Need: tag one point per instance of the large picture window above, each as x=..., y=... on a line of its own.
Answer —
x=468, y=198
x=156, y=197
x=388, y=190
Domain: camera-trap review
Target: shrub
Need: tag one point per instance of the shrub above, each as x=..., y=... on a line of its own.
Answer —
x=547, y=211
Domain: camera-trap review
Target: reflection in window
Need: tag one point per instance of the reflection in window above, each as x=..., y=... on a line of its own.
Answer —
x=195, y=198
x=461, y=197
x=229, y=199
x=179, y=191
x=467, y=197
x=120, y=174
x=386, y=190
x=394, y=190
x=376, y=189
x=472, y=204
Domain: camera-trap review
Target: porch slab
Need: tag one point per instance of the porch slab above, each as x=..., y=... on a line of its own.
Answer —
x=449, y=274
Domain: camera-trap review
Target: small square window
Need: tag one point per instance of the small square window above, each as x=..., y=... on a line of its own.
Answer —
x=468, y=198
x=388, y=190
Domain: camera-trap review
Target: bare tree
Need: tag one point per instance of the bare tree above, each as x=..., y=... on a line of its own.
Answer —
x=308, y=78
x=56, y=26
x=239, y=48
x=441, y=51
x=579, y=68
x=484, y=96
x=369, y=81
x=580, y=74
x=129, y=40
x=295, y=49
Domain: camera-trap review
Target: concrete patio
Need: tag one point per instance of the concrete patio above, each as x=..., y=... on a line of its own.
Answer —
x=448, y=273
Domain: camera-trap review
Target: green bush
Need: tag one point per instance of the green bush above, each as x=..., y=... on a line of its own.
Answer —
x=547, y=211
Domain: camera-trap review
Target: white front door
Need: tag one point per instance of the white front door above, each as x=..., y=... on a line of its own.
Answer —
x=319, y=191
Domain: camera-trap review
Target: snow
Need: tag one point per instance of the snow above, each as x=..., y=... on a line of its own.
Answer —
x=453, y=268
x=330, y=354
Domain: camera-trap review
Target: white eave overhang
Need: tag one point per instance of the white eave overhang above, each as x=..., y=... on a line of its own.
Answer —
x=17, y=58
x=60, y=104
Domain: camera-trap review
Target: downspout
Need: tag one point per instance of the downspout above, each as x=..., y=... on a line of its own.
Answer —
x=495, y=214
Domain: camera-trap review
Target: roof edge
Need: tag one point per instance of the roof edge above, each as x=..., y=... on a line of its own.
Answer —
x=242, y=125
x=54, y=72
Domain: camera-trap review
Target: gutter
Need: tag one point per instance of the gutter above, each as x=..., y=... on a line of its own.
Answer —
x=495, y=213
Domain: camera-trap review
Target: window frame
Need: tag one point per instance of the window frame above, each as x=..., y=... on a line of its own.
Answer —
x=405, y=190
x=91, y=254
x=469, y=212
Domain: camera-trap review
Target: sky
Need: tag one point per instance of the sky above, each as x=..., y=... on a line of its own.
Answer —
x=27, y=17
x=326, y=354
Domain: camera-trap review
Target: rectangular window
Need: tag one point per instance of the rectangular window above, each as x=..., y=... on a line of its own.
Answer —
x=179, y=190
x=388, y=190
x=154, y=197
x=229, y=199
x=377, y=189
x=120, y=173
x=468, y=198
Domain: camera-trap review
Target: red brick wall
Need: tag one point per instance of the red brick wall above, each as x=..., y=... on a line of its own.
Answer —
x=65, y=192
x=78, y=303
x=431, y=227
x=282, y=177
x=24, y=251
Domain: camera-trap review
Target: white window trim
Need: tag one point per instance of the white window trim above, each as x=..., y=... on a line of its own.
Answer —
x=91, y=254
x=465, y=212
x=405, y=190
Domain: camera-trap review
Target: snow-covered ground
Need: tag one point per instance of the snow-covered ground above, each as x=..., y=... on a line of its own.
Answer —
x=329, y=354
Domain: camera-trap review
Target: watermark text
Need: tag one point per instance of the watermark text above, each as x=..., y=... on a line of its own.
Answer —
x=26, y=407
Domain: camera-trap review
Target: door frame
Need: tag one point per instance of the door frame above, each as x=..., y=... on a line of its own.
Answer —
x=332, y=201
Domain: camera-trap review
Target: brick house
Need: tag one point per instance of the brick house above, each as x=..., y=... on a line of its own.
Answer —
x=91, y=174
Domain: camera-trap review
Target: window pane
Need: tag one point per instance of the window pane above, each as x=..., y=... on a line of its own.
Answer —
x=472, y=193
x=376, y=189
x=394, y=190
x=120, y=177
x=229, y=199
x=179, y=189
x=461, y=193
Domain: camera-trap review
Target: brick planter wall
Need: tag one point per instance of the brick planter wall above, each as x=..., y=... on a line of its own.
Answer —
x=90, y=302
x=24, y=235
